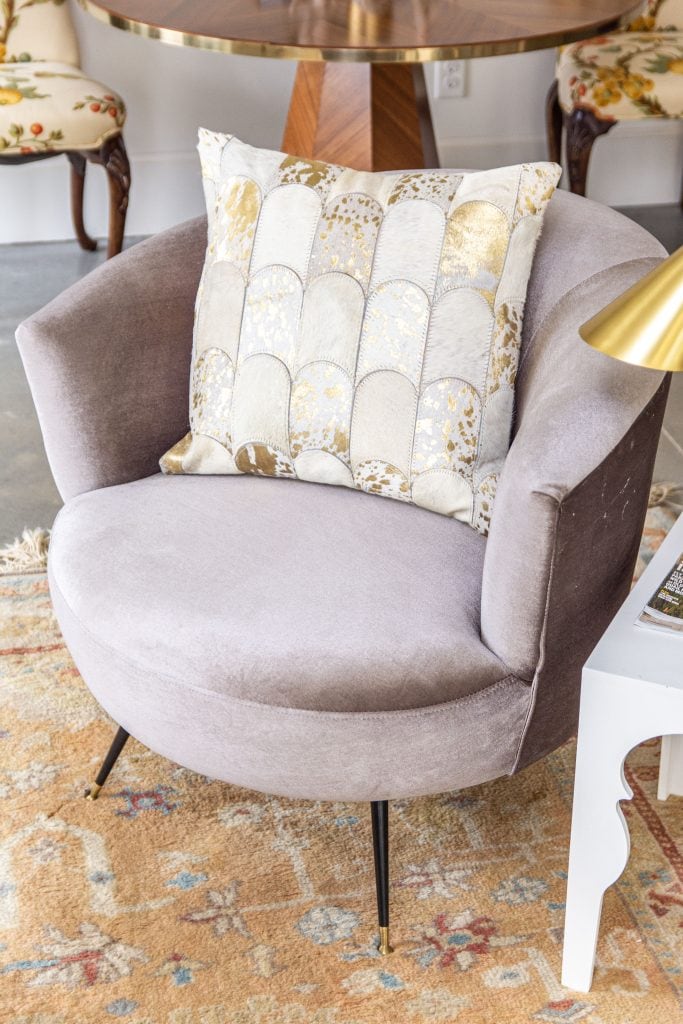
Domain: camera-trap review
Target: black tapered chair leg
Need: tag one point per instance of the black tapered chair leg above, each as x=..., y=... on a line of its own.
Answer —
x=380, y=843
x=115, y=749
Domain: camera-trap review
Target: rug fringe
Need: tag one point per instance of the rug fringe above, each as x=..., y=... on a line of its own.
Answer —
x=26, y=554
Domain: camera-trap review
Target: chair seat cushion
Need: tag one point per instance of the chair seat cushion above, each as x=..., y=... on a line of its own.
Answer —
x=310, y=600
x=624, y=76
x=46, y=106
x=303, y=598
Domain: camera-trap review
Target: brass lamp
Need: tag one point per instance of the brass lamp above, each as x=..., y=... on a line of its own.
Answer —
x=644, y=326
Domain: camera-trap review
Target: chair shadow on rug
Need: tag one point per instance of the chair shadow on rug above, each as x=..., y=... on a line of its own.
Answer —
x=310, y=641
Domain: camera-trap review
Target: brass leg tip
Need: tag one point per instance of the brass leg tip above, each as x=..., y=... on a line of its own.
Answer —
x=384, y=947
x=93, y=792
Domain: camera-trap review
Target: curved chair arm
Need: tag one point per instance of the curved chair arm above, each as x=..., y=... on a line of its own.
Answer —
x=570, y=504
x=108, y=361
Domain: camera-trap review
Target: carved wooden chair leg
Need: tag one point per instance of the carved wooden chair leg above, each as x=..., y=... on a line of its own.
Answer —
x=553, y=124
x=380, y=843
x=114, y=159
x=582, y=128
x=110, y=760
x=78, y=165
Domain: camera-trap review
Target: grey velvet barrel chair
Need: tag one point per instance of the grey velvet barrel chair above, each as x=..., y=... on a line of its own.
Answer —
x=315, y=642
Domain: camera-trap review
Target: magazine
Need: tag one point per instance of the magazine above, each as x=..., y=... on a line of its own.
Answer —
x=664, y=610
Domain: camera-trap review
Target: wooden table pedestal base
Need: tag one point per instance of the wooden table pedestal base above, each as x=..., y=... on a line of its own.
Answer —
x=372, y=117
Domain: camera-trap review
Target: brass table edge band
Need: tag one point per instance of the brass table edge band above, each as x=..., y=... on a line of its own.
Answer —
x=362, y=55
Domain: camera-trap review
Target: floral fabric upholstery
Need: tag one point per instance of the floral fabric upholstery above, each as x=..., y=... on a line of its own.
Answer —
x=628, y=75
x=660, y=16
x=624, y=76
x=48, y=106
x=37, y=30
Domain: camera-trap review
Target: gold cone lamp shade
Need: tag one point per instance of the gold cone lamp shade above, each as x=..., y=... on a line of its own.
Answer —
x=644, y=326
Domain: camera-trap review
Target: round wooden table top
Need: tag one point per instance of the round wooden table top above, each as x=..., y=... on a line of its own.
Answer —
x=367, y=30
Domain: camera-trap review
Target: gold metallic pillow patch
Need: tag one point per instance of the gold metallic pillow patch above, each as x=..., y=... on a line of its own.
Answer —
x=361, y=329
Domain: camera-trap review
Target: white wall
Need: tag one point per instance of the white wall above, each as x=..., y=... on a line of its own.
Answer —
x=170, y=91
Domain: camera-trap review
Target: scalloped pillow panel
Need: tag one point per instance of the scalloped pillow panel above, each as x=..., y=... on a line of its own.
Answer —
x=360, y=329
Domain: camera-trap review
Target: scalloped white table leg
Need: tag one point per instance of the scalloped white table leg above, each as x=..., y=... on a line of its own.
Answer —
x=617, y=713
x=671, y=768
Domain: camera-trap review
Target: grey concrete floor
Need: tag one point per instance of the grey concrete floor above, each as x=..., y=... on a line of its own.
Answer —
x=31, y=275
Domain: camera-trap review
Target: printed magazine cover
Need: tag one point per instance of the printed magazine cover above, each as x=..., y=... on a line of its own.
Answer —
x=664, y=610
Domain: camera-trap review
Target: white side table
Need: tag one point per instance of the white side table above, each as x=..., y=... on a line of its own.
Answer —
x=632, y=690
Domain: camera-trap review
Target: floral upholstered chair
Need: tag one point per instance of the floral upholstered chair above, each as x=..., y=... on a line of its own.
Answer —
x=49, y=106
x=625, y=76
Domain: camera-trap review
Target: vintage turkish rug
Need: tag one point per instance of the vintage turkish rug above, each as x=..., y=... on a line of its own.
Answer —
x=178, y=900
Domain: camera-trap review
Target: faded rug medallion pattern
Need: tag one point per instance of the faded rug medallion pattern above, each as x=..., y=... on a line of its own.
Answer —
x=178, y=900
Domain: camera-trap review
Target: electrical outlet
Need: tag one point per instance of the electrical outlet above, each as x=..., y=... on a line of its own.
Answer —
x=450, y=79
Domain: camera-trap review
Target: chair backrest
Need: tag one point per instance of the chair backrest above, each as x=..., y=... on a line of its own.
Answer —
x=37, y=30
x=660, y=16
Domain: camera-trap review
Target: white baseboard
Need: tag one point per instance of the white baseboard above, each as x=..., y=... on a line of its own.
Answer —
x=633, y=164
x=166, y=189
x=482, y=151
